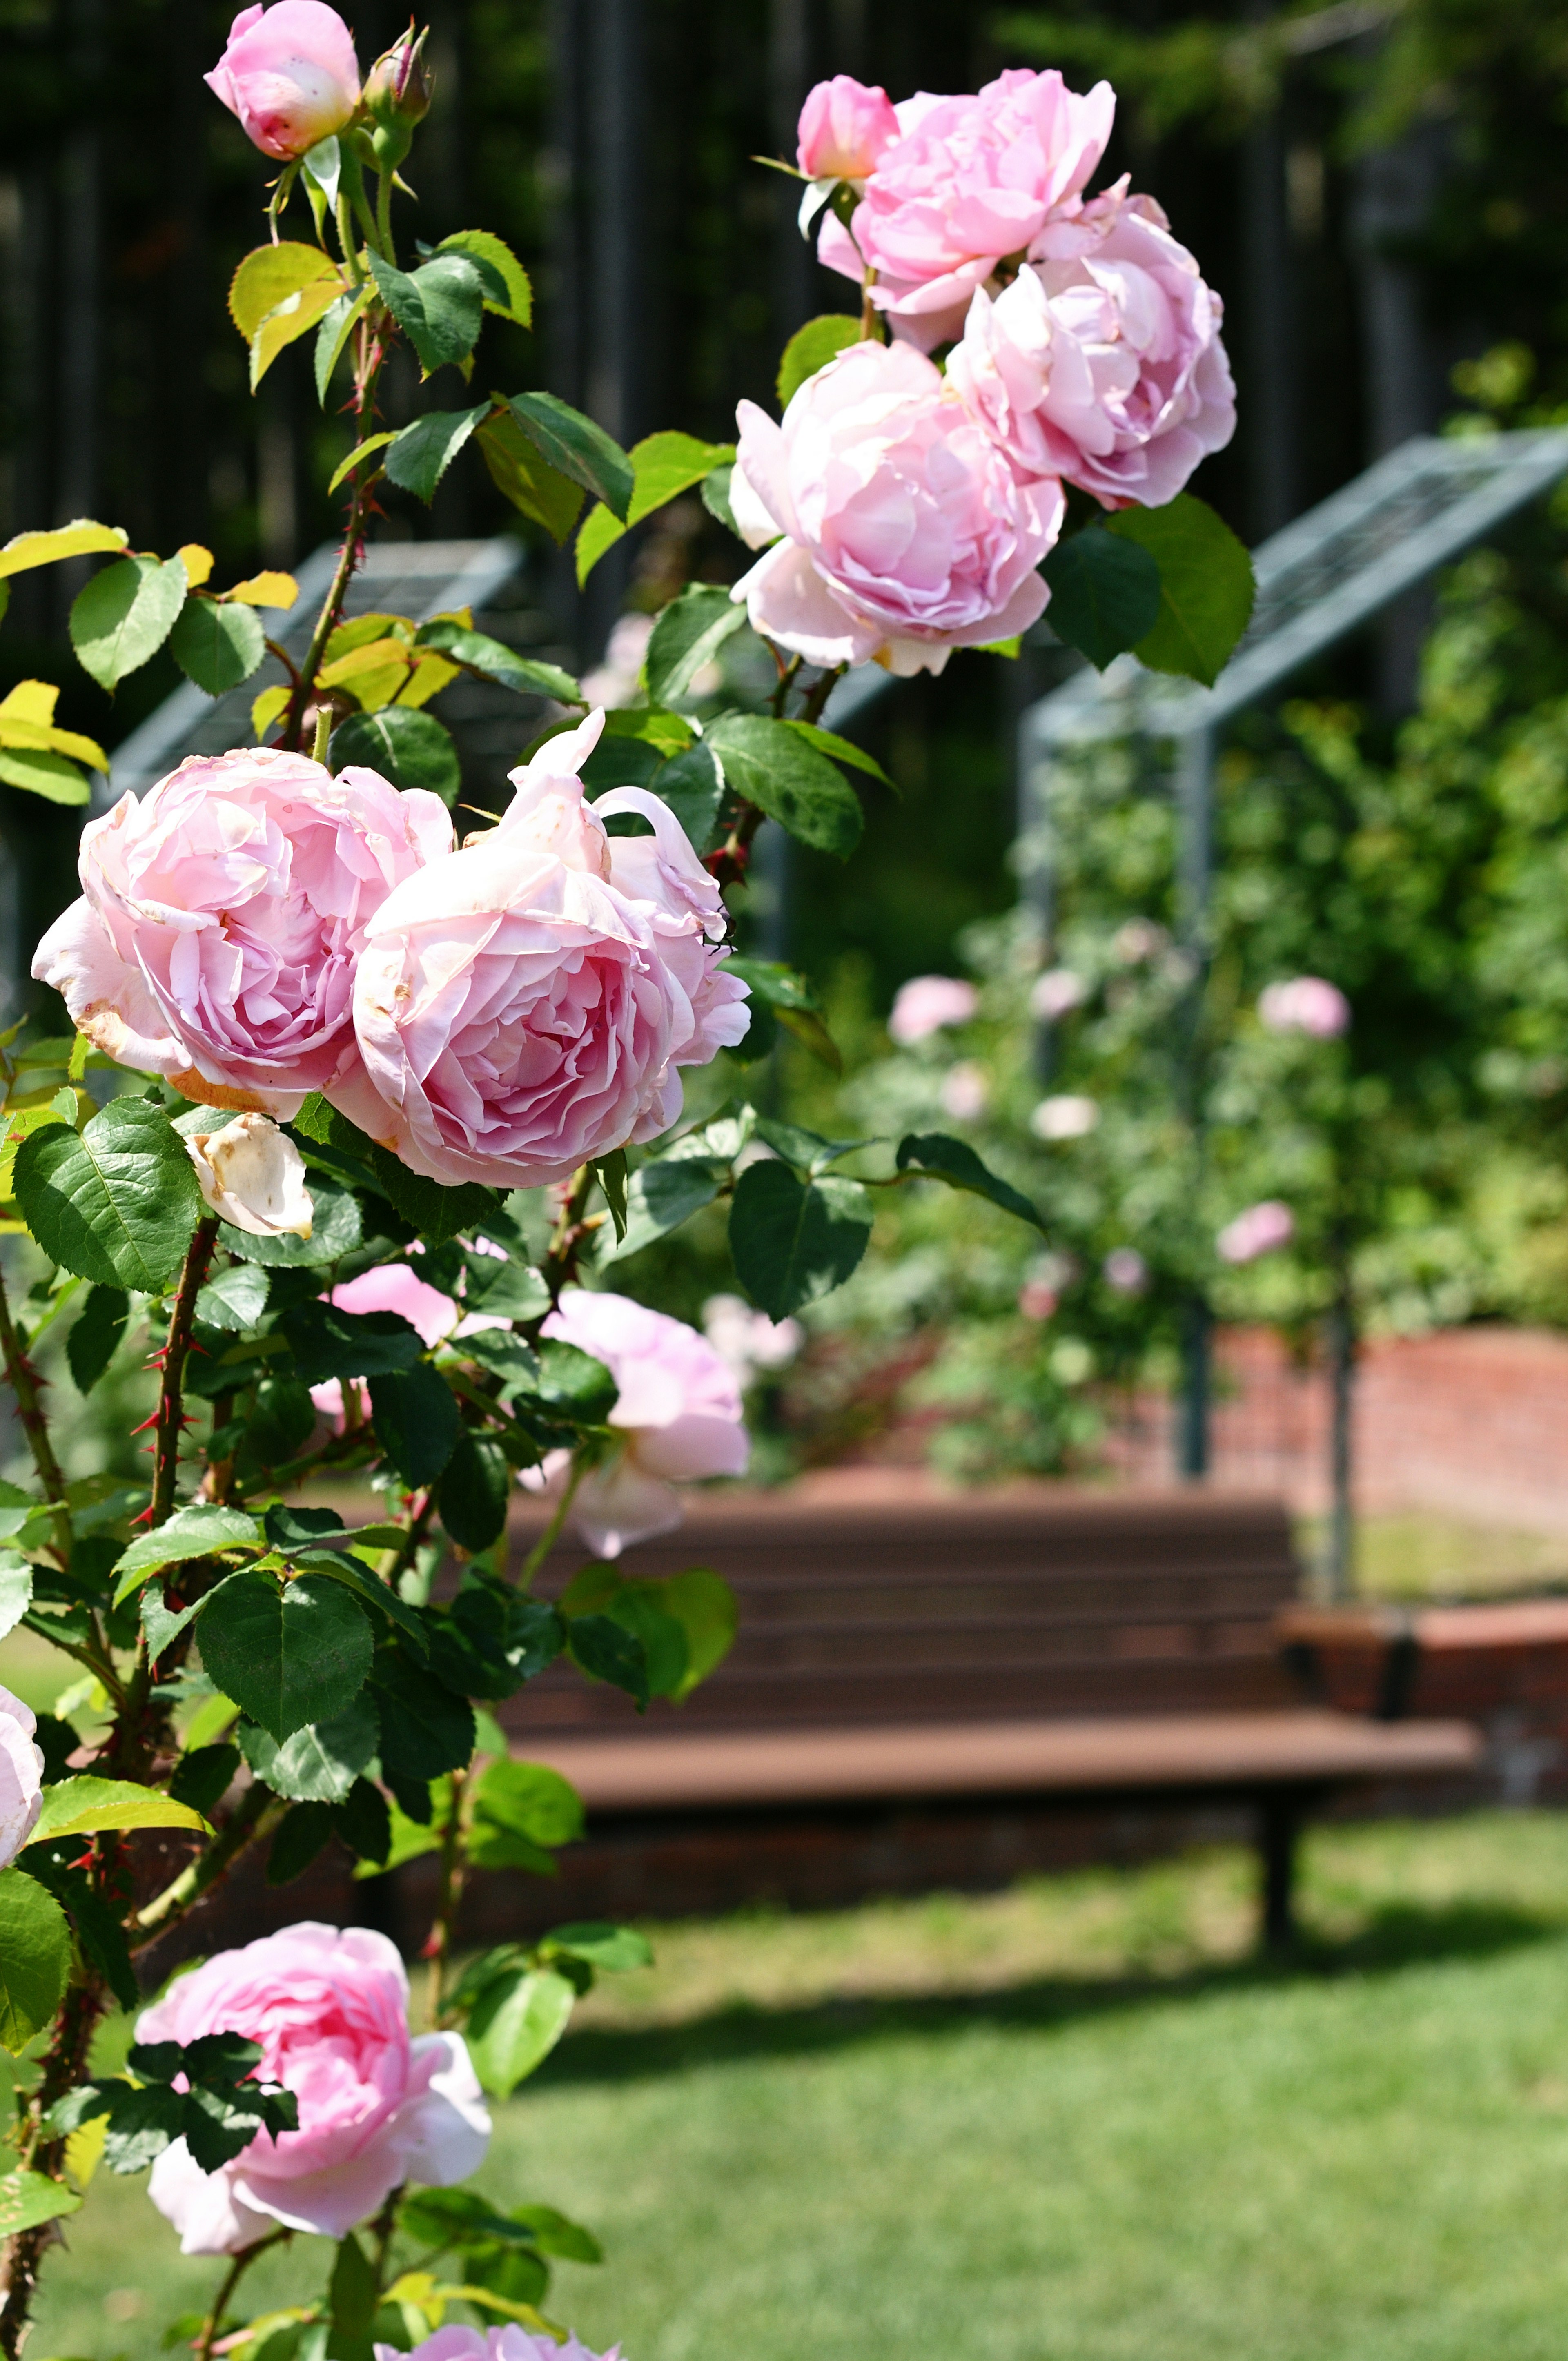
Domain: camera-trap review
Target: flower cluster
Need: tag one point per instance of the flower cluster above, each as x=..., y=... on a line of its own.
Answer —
x=905, y=511
x=255, y=930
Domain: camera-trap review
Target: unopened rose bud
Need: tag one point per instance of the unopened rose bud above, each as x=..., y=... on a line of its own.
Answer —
x=844, y=127
x=253, y=1176
x=397, y=94
x=291, y=75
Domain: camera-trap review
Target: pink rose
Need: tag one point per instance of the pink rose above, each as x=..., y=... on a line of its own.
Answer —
x=1103, y=361
x=222, y=916
x=971, y=181
x=524, y=1004
x=1261, y=1230
x=1307, y=1003
x=679, y=1407
x=330, y=2011
x=844, y=129
x=21, y=1777
x=965, y=1091
x=928, y=1003
x=289, y=73
x=509, y=2343
x=1125, y=1271
x=907, y=533
x=1056, y=993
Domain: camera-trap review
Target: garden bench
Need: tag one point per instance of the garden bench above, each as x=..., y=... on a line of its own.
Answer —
x=963, y=1654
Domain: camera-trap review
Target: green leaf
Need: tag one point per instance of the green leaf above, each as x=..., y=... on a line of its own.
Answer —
x=286, y=1658
x=827, y=741
x=515, y=2024
x=478, y=653
x=576, y=448
x=404, y=744
x=663, y=466
x=608, y=1650
x=770, y=765
x=661, y=1197
x=353, y=2295
x=196, y=1530
x=336, y=1230
x=513, y=298
x=574, y=1383
x=475, y=1487
x=425, y=1731
x=204, y=1777
x=616, y=1950
x=364, y=1823
x=531, y=1800
x=1206, y=585
x=416, y=1422
x=329, y=1343
x=493, y=1640
x=638, y=1608
x=27, y=2198
x=692, y=783
x=235, y=1299
x=40, y=772
x=337, y=325
x=115, y=1203
x=123, y=615
x=514, y=1289
x=716, y=498
x=97, y=1330
x=321, y=1762
x=1104, y=594
x=704, y=1606
x=35, y=1958
x=355, y=1576
x=217, y=645
x=269, y=275
x=15, y=1590
x=688, y=634
x=811, y=348
x=75, y=1808
x=421, y=454
x=522, y=475
x=439, y=307
x=785, y=995
x=955, y=1162
x=80, y=539
x=301, y=1833
x=791, y=1240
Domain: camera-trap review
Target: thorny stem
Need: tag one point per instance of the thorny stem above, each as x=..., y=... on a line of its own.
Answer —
x=438, y=1947
x=24, y=1384
x=381, y=2230
x=396, y=1561
x=552, y=1533
x=820, y=691
x=566, y=1239
x=256, y=1814
x=166, y=1433
x=231, y=2278
x=63, y=2067
x=374, y=355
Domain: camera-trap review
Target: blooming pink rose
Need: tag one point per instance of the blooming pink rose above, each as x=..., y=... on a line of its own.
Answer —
x=679, y=1407
x=1261, y=1230
x=926, y=1002
x=289, y=73
x=1103, y=361
x=971, y=181
x=21, y=1777
x=1307, y=1003
x=509, y=2343
x=907, y=533
x=221, y=917
x=523, y=1004
x=844, y=129
x=330, y=2011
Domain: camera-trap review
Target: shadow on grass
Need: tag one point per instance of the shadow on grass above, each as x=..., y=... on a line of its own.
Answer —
x=1398, y=1936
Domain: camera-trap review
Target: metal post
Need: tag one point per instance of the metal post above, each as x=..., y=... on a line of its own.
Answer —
x=1038, y=872
x=1339, y=1567
x=1192, y=1426
x=1195, y=800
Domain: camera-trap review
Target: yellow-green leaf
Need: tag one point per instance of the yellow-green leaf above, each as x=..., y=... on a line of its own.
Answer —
x=42, y=774
x=272, y=590
x=270, y=275
x=197, y=562
x=28, y=2198
x=78, y=540
x=77, y=1808
x=360, y=451
x=266, y=708
x=485, y=246
x=663, y=466
x=523, y=476
x=287, y=321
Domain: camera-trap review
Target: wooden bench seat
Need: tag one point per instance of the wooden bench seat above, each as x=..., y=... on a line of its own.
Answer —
x=965, y=1652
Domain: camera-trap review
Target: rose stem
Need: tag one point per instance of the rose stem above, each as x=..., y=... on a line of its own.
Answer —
x=24, y=1384
x=63, y=2067
x=552, y=1533
x=256, y=1814
x=323, y=734
x=231, y=2278
x=438, y=1947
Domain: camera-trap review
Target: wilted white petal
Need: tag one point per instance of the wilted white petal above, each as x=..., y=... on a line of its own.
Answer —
x=253, y=1177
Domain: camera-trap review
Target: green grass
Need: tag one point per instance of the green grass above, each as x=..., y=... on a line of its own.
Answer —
x=1078, y=2122
x=1412, y=1554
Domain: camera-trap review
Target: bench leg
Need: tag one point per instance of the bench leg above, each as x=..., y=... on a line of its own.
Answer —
x=1279, y=1822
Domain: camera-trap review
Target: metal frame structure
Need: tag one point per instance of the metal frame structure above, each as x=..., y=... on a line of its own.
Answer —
x=1334, y=570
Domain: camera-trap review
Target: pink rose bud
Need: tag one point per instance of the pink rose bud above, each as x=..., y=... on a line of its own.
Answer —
x=525, y=1003
x=905, y=533
x=844, y=127
x=928, y=1003
x=289, y=73
x=457, y=2341
x=1307, y=1003
x=21, y=1777
x=223, y=915
x=398, y=87
x=679, y=1407
x=330, y=2012
x=1262, y=1229
x=968, y=182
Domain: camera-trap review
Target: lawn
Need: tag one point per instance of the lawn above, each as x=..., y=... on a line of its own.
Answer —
x=1072, y=2123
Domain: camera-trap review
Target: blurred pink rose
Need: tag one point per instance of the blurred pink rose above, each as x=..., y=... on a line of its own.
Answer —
x=458, y=2343
x=964, y=1091
x=1037, y=1299
x=21, y=1777
x=1056, y=993
x=330, y=2011
x=844, y=127
x=289, y=73
x=747, y=1341
x=1261, y=1230
x=970, y=181
x=524, y=1004
x=926, y=1002
x=1065, y=1115
x=1102, y=362
x=907, y=533
x=221, y=917
x=1305, y=1005
x=1125, y=1271
x=679, y=1406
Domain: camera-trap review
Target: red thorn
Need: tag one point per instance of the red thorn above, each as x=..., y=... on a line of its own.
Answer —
x=145, y=1424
